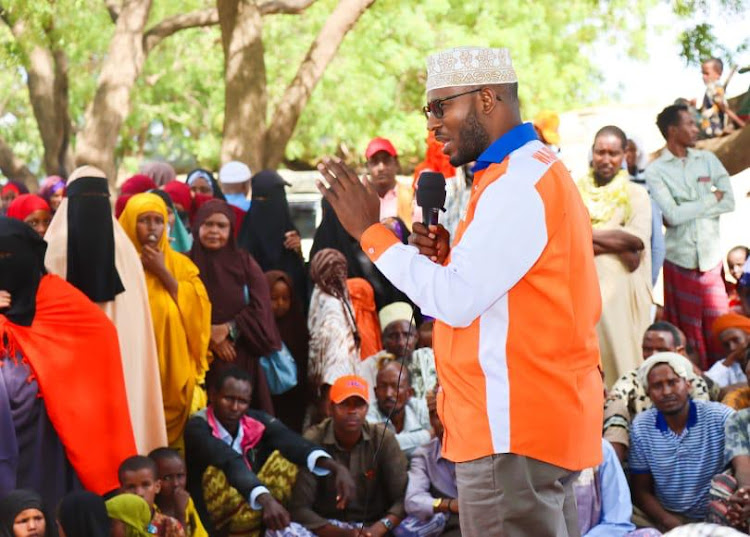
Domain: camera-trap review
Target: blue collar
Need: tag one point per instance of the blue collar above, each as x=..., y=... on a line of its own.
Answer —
x=661, y=421
x=517, y=137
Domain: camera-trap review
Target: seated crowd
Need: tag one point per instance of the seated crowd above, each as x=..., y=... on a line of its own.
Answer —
x=176, y=368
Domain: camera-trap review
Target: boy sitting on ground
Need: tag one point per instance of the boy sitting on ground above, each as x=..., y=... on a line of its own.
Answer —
x=138, y=475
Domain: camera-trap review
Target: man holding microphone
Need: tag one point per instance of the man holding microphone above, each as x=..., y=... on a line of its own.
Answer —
x=516, y=300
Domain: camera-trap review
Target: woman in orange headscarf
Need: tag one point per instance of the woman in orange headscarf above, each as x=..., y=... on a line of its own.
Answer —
x=180, y=309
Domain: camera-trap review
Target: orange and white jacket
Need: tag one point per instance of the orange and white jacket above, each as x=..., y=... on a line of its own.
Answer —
x=517, y=304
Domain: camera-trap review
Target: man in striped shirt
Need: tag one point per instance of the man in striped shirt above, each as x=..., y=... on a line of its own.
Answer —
x=675, y=447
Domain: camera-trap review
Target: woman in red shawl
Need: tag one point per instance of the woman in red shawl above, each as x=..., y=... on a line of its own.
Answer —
x=292, y=324
x=32, y=210
x=243, y=327
x=63, y=408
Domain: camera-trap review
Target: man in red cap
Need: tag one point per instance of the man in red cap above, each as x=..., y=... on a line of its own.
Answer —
x=396, y=200
x=381, y=481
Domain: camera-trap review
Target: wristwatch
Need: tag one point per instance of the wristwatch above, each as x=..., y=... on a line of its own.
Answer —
x=436, y=503
x=387, y=523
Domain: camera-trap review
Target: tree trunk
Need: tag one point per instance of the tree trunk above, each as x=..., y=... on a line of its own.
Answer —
x=310, y=71
x=246, y=99
x=111, y=105
x=733, y=151
x=48, y=94
x=13, y=168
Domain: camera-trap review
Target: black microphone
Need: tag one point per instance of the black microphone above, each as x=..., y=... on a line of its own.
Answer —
x=744, y=70
x=431, y=196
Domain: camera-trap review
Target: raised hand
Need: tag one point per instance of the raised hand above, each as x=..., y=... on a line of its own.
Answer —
x=356, y=203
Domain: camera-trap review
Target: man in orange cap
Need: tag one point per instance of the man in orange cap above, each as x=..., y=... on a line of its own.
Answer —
x=381, y=481
x=732, y=330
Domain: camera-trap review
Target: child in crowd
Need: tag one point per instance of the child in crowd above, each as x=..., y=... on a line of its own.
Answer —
x=173, y=499
x=736, y=258
x=716, y=117
x=138, y=475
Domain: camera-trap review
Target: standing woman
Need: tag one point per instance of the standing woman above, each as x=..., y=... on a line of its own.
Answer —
x=52, y=190
x=334, y=339
x=620, y=213
x=292, y=325
x=161, y=172
x=242, y=323
x=88, y=248
x=203, y=182
x=180, y=310
x=62, y=390
x=32, y=210
x=268, y=232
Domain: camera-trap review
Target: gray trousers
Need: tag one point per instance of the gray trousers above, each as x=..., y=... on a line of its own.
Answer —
x=510, y=495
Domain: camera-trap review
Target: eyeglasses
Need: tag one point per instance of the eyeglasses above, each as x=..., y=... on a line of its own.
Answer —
x=435, y=106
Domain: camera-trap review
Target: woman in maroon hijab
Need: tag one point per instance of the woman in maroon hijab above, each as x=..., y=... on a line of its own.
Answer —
x=243, y=326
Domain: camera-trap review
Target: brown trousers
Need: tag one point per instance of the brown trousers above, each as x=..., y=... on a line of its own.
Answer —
x=510, y=495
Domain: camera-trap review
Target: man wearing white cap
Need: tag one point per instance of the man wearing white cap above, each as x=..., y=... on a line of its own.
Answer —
x=234, y=177
x=516, y=302
x=675, y=448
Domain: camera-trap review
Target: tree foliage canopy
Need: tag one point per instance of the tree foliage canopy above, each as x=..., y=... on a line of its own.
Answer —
x=374, y=86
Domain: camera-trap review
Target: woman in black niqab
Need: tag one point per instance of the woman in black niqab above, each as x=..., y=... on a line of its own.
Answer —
x=265, y=229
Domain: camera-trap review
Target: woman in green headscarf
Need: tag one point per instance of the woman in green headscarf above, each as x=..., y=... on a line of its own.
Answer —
x=130, y=516
x=179, y=238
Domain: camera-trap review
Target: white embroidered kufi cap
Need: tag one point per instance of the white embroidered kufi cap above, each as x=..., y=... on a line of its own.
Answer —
x=469, y=66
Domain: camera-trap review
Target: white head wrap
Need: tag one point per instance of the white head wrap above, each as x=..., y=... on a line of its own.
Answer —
x=681, y=366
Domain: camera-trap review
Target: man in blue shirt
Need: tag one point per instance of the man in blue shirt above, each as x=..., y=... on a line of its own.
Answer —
x=675, y=447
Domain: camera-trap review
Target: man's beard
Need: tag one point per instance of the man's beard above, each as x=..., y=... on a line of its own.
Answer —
x=473, y=139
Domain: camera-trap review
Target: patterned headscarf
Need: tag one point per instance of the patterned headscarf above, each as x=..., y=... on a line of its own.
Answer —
x=328, y=270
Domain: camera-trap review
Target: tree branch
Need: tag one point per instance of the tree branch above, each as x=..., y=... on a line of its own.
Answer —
x=290, y=7
x=319, y=55
x=113, y=6
x=5, y=17
x=171, y=25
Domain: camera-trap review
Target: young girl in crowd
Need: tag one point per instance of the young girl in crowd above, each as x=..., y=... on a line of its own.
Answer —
x=129, y=515
x=180, y=310
x=292, y=325
x=736, y=258
x=22, y=515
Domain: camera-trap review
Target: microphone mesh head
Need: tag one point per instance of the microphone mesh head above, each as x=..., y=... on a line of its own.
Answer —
x=431, y=190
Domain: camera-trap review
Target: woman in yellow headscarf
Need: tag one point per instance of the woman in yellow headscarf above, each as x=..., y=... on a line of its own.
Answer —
x=180, y=309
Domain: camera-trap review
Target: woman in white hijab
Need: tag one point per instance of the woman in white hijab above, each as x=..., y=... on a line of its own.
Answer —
x=90, y=250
